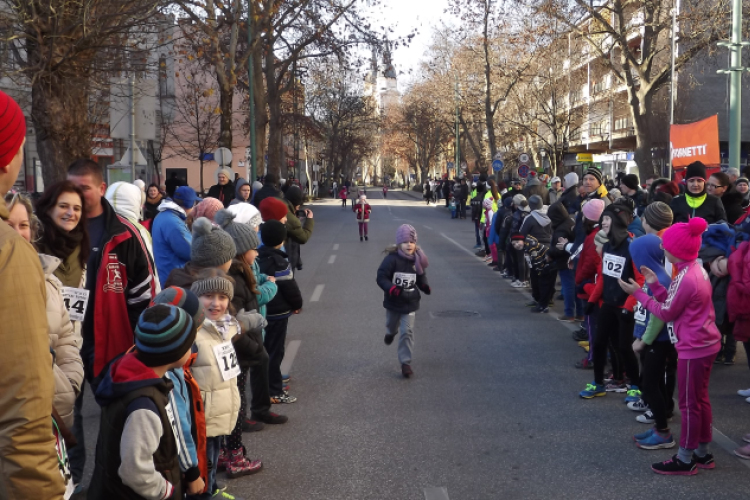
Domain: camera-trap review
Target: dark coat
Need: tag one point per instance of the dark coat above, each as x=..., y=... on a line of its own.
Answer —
x=562, y=227
x=250, y=345
x=224, y=194
x=712, y=210
x=408, y=300
x=535, y=187
x=267, y=191
x=288, y=299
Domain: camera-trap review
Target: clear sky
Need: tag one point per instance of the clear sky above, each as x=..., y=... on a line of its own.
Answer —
x=404, y=16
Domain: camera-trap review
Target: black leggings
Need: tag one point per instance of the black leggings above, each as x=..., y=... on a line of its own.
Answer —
x=234, y=440
x=615, y=325
x=659, y=361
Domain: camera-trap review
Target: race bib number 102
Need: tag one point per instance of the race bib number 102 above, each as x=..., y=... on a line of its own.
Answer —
x=613, y=265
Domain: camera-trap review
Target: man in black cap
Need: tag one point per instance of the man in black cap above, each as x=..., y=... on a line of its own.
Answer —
x=630, y=187
x=696, y=202
x=270, y=189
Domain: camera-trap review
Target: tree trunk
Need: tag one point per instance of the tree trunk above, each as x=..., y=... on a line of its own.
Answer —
x=275, y=123
x=261, y=116
x=488, y=114
x=201, y=157
x=59, y=112
x=226, y=95
x=641, y=109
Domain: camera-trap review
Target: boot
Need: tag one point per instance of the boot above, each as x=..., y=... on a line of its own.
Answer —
x=223, y=460
x=241, y=466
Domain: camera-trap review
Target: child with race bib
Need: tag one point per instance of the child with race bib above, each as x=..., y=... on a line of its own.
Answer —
x=216, y=367
x=689, y=313
x=401, y=275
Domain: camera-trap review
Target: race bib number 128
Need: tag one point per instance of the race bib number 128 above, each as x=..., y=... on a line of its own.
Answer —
x=226, y=357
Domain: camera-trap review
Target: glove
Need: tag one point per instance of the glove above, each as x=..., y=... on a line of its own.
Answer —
x=426, y=289
x=395, y=291
x=589, y=308
x=251, y=320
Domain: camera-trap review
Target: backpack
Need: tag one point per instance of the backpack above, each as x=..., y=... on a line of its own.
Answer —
x=476, y=206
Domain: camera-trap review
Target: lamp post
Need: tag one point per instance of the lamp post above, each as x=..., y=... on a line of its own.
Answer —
x=542, y=154
x=735, y=84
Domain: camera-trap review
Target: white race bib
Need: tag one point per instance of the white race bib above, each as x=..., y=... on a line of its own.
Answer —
x=226, y=357
x=639, y=313
x=613, y=265
x=172, y=421
x=76, y=301
x=405, y=280
x=671, y=333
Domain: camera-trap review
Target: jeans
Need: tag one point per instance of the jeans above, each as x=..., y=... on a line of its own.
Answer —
x=403, y=323
x=213, y=448
x=568, y=283
x=275, y=346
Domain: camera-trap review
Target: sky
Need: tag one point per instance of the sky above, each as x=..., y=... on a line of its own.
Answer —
x=404, y=16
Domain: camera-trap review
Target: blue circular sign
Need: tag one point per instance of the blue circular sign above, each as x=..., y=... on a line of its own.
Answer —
x=523, y=171
x=497, y=165
x=450, y=165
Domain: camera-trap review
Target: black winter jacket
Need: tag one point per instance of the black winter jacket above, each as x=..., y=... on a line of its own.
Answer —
x=249, y=346
x=712, y=210
x=267, y=191
x=398, y=271
x=539, y=226
x=288, y=299
x=562, y=227
x=224, y=194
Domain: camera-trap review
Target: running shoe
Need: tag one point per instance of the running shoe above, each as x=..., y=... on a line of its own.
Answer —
x=583, y=343
x=388, y=339
x=517, y=284
x=639, y=405
x=592, y=391
x=540, y=309
x=580, y=335
x=656, y=441
x=284, y=398
x=566, y=319
x=644, y=435
x=285, y=378
x=646, y=418
x=634, y=395
x=745, y=393
x=705, y=462
x=675, y=467
x=526, y=284
x=585, y=364
x=531, y=303
x=616, y=386
x=743, y=452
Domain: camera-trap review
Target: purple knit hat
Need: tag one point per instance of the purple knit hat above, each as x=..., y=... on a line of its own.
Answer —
x=406, y=234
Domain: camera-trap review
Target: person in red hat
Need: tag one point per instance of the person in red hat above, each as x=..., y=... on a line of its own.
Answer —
x=29, y=465
x=273, y=209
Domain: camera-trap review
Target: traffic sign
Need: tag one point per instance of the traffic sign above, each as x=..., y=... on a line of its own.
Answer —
x=523, y=171
x=497, y=165
x=223, y=156
x=498, y=156
x=523, y=158
x=464, y=165
x=451, y=165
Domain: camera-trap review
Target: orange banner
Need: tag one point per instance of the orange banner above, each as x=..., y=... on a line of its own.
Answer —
x=698, y=141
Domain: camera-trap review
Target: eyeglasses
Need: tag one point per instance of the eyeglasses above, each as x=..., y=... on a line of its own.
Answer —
x=714, y=186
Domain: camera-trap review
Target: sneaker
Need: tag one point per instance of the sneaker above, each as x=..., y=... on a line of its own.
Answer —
x=77, y=488
x=252, y=425
x=367, y=239
x=481, y=253
x=477, y=247
x=285, y=379
x=509, y=277
x=583, y=343
x=643, y=435
x=646, y=418
x=406, y=371
x=728, y=362
x=270, y=418
x=656, y=441
x=638, y=405
x=223, y=460
x=634, y=394
x=585, y=364
x=531, y=303
x=579, y=336
x=526, y=284
x=240, y=466
x=744, y=452
x=616, y=386
x=389, y=338
x=284, y=398
x=705, y=462
x=719, y=359
x=675, y=467
x=540, y=309
x=517, y=284
x=592, y=391
x=745, y=393
x=224, y=495
x=361, y=238
x=566, y=319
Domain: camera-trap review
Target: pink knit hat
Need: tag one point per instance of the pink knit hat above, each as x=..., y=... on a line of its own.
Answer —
x=207, y=208
x=593, y=209
x=406, y=234
x=683, y=240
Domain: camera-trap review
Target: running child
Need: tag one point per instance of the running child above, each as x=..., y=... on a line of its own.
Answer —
x=401, y=276
x=362, y=209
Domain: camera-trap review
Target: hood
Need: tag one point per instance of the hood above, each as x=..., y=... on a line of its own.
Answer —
x=533, y=182
x=558, y=214
x=647, y=251
x=126, y=199
x=168, y=204
x=618, y=231
x=541, y=216
x=125, y=375
x=49, y=263
x=241, y=182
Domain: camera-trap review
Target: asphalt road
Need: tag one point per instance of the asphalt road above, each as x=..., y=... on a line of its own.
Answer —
x=492, y=411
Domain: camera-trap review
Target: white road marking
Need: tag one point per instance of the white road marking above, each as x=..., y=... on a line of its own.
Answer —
x=332, y=259
x=436, y=493
x=289, y=355
x=427, y=227
x=459, y=245
x=336, y=246
x=722, y=440
x=317, y=293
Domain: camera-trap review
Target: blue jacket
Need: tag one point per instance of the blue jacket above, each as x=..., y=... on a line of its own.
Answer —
x=636, y=227
x=179, y=396
x=171, y=239
x=646, y=251
x=266, y=288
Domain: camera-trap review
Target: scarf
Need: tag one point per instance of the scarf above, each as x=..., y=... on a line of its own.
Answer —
x=70, y=271
x=154, y=201
x=419, y=258
x=695, y=201
x=222, y=325
x=65, y=243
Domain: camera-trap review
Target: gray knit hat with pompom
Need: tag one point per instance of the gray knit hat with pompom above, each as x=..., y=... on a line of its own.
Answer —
x=212, y=246
x=245, y=238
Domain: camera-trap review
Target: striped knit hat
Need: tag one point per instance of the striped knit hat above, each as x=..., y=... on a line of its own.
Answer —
x=163, y=335
x=184, y=299
x=213, y=281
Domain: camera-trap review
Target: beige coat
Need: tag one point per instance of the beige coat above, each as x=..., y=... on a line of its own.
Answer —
x=64, y=341
x=221, y=398
x=28, y=460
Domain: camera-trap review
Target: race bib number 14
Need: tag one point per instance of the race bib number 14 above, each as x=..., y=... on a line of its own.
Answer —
x=76, y=301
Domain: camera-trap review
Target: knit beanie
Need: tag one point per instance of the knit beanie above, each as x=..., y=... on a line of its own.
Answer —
x=212, y=246
x=536, y=202
x=596, y=173
x=695, y=169
x=571, y=179
x=271, y=179
x=163, y=335
x=601, y=238
x=516, y=236
x=273, y=233
x=593, y=209
x=742, y=180
x=245, y=213
x=658, y=215
x=215, y=283
x=184, y=299
x=273, y=209
x=245, y=238
x=207, y=208
x=294, y=195
x=615, y=193
x=683, y=240
x=557, y=179
x=12, y=128
x=227, y=173
x=185, y=197
x=406, y=234
x=631, y=181
x=517, y=199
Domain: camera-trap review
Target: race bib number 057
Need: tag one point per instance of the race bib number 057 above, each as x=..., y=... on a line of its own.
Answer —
x=613, y=265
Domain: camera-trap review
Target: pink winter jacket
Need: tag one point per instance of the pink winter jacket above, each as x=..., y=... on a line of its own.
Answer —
x=738, y=294
x=688, y=306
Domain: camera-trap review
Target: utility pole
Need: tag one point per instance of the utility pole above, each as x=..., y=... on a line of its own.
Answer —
x=735, y=84
x=131, y=85
x=251, y=93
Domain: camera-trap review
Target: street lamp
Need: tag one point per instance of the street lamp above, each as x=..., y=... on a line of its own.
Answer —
x=542, y=154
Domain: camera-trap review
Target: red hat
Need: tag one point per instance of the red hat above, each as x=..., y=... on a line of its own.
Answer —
x=12, y=128
x=272, y=209
x=669, y=188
